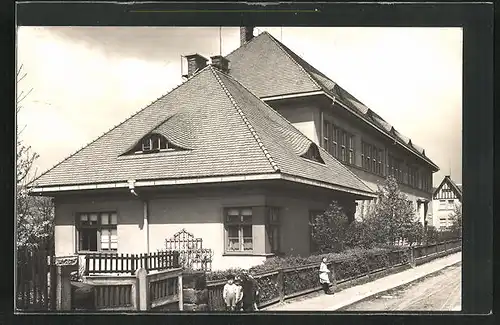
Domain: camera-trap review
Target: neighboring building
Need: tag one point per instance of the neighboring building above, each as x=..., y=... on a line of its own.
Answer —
x=209, y=157
x=333, y=119
x=214, y=157
x=444, y=200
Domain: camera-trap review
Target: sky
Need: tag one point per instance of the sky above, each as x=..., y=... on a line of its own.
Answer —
x=86, y=80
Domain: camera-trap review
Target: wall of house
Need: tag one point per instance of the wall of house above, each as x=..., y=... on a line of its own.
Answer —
x=441, y=215
x=295, y=233
x=307, y=117
x=304, y=117
x=129, y=210
x=201, y=215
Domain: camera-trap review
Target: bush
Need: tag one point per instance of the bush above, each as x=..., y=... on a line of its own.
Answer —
x=329, y=229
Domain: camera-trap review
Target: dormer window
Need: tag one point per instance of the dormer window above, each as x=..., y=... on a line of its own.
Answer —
x=152, y=143
x=313, y=154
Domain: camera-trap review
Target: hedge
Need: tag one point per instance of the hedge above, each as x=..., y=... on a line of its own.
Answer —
x=276, y=263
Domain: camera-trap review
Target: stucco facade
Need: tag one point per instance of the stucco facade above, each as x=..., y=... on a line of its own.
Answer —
x=199, y=214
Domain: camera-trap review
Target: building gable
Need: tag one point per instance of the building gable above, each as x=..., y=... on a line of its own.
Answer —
x=447, y=190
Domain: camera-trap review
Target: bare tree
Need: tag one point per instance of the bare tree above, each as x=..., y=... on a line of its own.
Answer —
x=34, y=226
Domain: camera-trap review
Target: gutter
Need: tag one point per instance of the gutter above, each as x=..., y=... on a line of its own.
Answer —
x=132, y=184
x=145, y=214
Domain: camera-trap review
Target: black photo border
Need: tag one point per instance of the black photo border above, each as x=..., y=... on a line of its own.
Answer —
x=475, y=18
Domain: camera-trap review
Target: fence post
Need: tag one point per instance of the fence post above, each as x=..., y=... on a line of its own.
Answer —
x=412, y=256
x=281, y=285
x=180, y=292
x=445, y=249
x=64, y=267
x=142, y=282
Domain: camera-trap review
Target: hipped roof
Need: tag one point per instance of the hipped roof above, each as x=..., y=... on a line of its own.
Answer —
x=222, y=129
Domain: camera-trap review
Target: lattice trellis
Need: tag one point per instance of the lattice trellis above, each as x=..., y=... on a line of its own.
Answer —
x=192, y=254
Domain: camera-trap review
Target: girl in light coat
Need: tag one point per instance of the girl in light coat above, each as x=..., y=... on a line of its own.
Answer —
x=324, y=276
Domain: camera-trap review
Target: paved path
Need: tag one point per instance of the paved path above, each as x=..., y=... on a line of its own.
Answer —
x=438, y=292
x=354, y=294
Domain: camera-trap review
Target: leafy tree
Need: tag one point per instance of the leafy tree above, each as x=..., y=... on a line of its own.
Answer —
x=393, y=217
x=34, y=223
x=456, y=220
x=329, y=229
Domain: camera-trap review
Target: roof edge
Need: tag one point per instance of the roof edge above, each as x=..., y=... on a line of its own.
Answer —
x=199, y=180
x=247, y=123
x=295, y=62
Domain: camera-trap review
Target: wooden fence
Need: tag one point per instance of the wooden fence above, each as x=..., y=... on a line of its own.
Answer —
x=282, y=284
x=35, y=280
x=159, y=291
x=101, y=263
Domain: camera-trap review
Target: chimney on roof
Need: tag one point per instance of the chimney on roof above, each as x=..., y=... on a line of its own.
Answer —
x=220, y=63
x=195, y=62
x=246, y=34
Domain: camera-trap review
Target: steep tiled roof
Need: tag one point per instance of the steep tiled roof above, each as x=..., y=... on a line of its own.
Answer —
x=223, y=129
x=269, y=68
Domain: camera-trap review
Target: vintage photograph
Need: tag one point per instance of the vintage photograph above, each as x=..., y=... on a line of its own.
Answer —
x=241, y=169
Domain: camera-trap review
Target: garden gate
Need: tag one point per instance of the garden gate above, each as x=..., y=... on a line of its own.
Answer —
x=192, y=254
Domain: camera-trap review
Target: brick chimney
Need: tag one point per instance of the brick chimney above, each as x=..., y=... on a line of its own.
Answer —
x=196, y=62
x=246, y=34
x=220, y=62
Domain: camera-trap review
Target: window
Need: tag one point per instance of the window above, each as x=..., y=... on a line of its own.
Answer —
x=97, y=231
x=273, y=229
x=442, y=205
x=326, y=136
x=394, y=168
x=313, y=247
x=371, y=158
x=313, y=154
x=335, y=139
x=451, y=204
x=153, y=143
x=238, y=224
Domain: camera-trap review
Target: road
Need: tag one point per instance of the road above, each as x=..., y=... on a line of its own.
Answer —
x=438, y=292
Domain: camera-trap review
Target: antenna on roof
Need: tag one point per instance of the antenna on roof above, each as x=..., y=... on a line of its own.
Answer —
x=220, y=40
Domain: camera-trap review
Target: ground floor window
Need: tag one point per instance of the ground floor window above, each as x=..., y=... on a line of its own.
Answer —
x=238, y=227
x=313, y=247
x=97, y=231
x=273, y=229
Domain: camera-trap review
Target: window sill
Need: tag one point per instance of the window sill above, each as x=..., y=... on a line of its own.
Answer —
x=248, y=254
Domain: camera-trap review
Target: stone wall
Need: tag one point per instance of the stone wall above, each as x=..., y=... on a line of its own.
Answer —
x=194, y=291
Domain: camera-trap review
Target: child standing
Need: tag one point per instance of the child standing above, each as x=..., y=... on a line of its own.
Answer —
x=324, y=276
x=239, y=293
x=230, y=293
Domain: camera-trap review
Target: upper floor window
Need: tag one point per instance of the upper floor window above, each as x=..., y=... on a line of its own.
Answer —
x=313, y=154
x=97, y=231
x=394, y=168
x=339, y=143
x=372, y=158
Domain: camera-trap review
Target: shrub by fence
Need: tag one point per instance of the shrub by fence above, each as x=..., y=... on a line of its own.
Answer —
x=100, y=263
x=286, y=282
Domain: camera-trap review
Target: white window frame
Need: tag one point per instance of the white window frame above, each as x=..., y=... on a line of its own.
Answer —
x=240, y=224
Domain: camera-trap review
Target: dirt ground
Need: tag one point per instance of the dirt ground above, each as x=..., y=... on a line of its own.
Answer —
x=438, y=292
